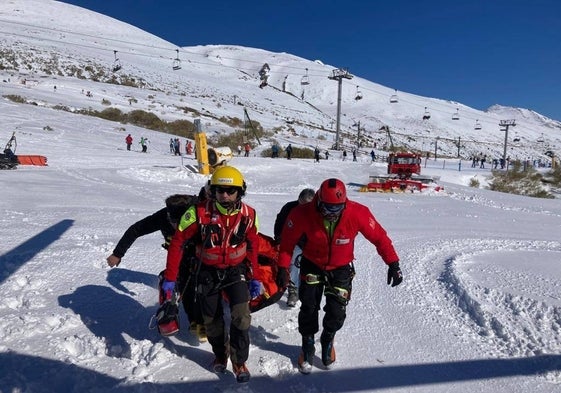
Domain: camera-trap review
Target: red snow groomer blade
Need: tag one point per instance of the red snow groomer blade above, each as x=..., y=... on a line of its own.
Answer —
x=395, y=184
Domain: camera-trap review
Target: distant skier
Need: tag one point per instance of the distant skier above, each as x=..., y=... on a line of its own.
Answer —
x=128, y=141
x=144, y=143
x=316, y=154
x=274, y=151
x=288, y=151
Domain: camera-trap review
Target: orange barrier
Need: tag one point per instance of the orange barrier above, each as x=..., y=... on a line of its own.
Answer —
x=32, y=160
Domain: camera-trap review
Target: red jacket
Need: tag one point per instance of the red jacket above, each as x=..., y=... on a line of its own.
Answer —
x=305, y=222
x=221, y=249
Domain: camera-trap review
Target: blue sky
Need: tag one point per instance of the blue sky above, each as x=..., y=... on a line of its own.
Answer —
x=477, y=52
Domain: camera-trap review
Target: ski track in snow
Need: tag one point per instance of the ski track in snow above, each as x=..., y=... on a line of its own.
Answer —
x=489, y=202
x=504, y=325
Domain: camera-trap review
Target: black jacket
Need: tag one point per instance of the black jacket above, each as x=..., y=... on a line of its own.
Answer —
x=155, y=222
x=281, y=218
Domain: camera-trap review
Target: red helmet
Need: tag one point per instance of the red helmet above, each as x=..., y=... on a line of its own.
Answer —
x=332, y=191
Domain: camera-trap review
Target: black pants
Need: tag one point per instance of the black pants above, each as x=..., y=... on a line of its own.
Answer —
x=335, y=284
x=230, y=284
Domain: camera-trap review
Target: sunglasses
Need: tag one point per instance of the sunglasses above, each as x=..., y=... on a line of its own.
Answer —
x=330, y=208
x=227, y=190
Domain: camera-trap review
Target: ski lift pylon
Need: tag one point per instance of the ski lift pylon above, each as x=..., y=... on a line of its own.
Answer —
x=116, y=63
x=393, y=98
x=456, y=115
x=358, y=95
x=176, y=62
x=426, y=115
x=305, y=80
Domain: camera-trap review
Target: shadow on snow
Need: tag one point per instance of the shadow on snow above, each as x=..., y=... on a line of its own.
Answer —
x=16, y=258
x=28, y=373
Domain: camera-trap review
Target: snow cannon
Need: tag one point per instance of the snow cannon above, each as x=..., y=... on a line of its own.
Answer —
x=219, y=156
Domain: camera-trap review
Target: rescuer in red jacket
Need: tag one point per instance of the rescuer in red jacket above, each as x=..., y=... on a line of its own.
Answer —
x=224, y=230
x=326, y=229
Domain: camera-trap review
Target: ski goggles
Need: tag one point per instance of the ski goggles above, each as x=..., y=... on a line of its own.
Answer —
x=330, y=209
x=227, y=190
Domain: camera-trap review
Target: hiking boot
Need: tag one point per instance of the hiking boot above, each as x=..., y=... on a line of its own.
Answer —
x=241, y=372
x=292, y=298
x=327, y=348
x=220, y=362
x=306, y=358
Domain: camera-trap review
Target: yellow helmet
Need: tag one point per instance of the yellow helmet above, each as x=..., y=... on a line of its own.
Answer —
x=228, y=176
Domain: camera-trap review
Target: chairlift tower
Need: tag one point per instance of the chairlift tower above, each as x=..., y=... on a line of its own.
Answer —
x=506, y=124
x=338, y=75
x=359, y=129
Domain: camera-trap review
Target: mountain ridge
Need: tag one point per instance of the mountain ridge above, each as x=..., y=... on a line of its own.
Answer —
x=216, y=79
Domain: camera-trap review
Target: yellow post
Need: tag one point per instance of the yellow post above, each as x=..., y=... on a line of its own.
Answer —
x=201, y=149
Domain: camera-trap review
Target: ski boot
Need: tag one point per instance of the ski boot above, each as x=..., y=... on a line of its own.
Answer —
x=167, y=315
x=327, y=348
x=306, y=358
x=167, y=318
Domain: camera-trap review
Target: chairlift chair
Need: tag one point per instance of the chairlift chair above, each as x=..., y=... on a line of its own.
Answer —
x=426, y=115
x=358, y=95
x=305, y=81
x=477, y=125
x=516, y=138
x=540, y=139
x=116, y=63
x=456, y=115
x=393, y=98
x=176, y=62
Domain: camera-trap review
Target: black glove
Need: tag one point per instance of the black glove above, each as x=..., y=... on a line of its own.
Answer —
x=283, y=277
x=394, y=274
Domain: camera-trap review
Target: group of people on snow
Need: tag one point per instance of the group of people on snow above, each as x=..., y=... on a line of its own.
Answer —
x=143, y=143
x=213, y=249
x=174, y=145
